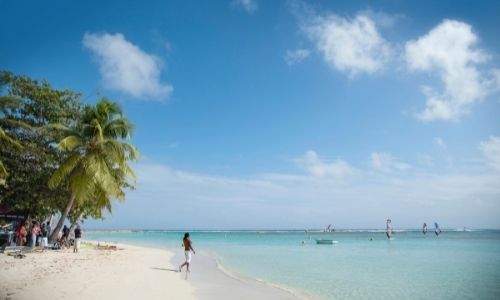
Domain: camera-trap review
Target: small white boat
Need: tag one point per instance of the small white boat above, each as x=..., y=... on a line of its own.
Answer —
x=325, y=242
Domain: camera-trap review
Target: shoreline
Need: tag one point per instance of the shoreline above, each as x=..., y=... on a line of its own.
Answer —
x=242, y=282
x=128, y=272
x=212, y=281
x=300, y=295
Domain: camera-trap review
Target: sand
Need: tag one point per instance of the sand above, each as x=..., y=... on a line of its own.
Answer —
x=130, y=273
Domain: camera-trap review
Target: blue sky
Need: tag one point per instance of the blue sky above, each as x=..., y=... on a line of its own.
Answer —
x=285, y=114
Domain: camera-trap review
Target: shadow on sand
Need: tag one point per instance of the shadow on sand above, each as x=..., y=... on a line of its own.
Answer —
x=164, y=269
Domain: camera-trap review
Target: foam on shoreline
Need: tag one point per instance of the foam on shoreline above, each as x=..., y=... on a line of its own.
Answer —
x=244, y=279
x=212, y=281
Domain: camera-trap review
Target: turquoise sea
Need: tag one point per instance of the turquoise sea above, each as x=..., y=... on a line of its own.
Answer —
x=455, y=265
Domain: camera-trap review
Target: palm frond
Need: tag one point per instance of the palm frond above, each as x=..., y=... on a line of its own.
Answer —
x=65, y=130
x=129, y=151
x=83, y=186
x=5, y=137
x=17, y=123
x=118, y=128
x=98, y=133
x=3, y=171
x=69, y=143
x=64, y=170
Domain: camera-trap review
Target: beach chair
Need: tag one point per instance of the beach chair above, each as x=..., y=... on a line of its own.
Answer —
x=17, y=251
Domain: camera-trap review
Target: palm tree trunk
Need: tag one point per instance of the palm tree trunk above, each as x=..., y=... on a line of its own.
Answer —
x=64, y=214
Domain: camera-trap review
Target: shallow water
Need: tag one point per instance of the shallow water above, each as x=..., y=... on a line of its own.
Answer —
x=455, y=265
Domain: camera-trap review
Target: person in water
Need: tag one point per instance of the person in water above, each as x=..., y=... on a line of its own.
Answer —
x=188, y=247
x=438, y=230
x=388, y=228
x=424, y=228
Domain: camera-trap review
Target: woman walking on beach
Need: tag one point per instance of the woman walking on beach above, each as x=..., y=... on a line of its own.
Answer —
x=188, y=247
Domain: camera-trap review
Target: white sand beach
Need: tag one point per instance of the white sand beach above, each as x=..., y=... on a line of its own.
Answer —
x=128, y=273
x=131, y=273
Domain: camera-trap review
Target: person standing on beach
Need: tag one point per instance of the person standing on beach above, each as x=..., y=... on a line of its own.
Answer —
x=21, y=234
x=65, y=236
x=49, y=229
x=35, y=231
x=188, y=247
x=44, y=237
x=78, y=238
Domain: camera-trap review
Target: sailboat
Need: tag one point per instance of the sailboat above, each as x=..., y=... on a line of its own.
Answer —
x=388, y=228
x=327, y=241
x=438, y=230
x=329, y=228
x=424, y=228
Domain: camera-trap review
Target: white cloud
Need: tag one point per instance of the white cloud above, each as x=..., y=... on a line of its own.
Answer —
x=311, y=163
x=439, y=141
x=250, y=6
x=491, y=151
x=385, y=162
x=125, y=67
x=449, y=50
x=293, y=57
x=173, y=198
x=349, y=45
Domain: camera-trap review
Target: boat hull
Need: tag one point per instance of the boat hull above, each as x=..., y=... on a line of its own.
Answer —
x=325, y=242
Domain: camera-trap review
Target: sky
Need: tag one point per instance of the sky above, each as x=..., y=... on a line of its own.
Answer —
x=253, y=114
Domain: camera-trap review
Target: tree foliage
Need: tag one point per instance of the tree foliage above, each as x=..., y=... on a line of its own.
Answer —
x=61, y=156
x=26, y=106
x=96, y=169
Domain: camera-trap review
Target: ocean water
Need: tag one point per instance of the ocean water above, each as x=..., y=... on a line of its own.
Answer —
x=455, y=265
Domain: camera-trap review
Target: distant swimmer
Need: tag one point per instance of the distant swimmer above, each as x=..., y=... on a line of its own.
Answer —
x=438, y=230
x=424, y=228
x=388, y=228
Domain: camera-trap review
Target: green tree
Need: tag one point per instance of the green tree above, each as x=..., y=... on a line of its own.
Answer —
x=26, y=106
x=6, y=104
x=6, y=139
x=96, y=169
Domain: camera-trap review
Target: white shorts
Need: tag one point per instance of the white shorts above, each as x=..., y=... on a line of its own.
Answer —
x=44, y=242
x=77, y=243
x=188, y=256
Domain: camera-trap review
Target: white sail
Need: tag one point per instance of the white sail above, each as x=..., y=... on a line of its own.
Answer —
x=388, y=228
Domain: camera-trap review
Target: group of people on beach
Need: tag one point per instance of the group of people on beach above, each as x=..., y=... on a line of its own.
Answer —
x=38, y=235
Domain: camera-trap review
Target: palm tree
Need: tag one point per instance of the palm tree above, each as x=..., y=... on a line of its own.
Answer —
x=96, y=169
